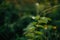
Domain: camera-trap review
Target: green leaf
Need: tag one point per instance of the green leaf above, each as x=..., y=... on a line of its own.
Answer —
x=30, y=35
x=38, y=32
x=37, y=17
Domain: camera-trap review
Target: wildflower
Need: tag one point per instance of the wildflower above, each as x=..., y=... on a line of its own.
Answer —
x=45, y=27
x=33, y=17
x=54, y=27
x=37, y=4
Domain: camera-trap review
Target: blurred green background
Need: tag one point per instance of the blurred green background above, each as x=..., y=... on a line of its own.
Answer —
x=15, y=15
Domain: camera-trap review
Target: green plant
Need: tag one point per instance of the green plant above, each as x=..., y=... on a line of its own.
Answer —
x=39, y=29
x=35, y=30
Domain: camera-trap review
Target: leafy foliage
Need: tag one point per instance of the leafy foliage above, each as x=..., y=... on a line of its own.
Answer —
x=26, y=21
x=35, y=30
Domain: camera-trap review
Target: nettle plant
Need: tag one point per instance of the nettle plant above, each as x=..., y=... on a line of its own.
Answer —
x=36, y=30
x=39, y=28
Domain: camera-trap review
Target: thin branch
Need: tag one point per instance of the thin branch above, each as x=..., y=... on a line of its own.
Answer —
x=47, y=10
